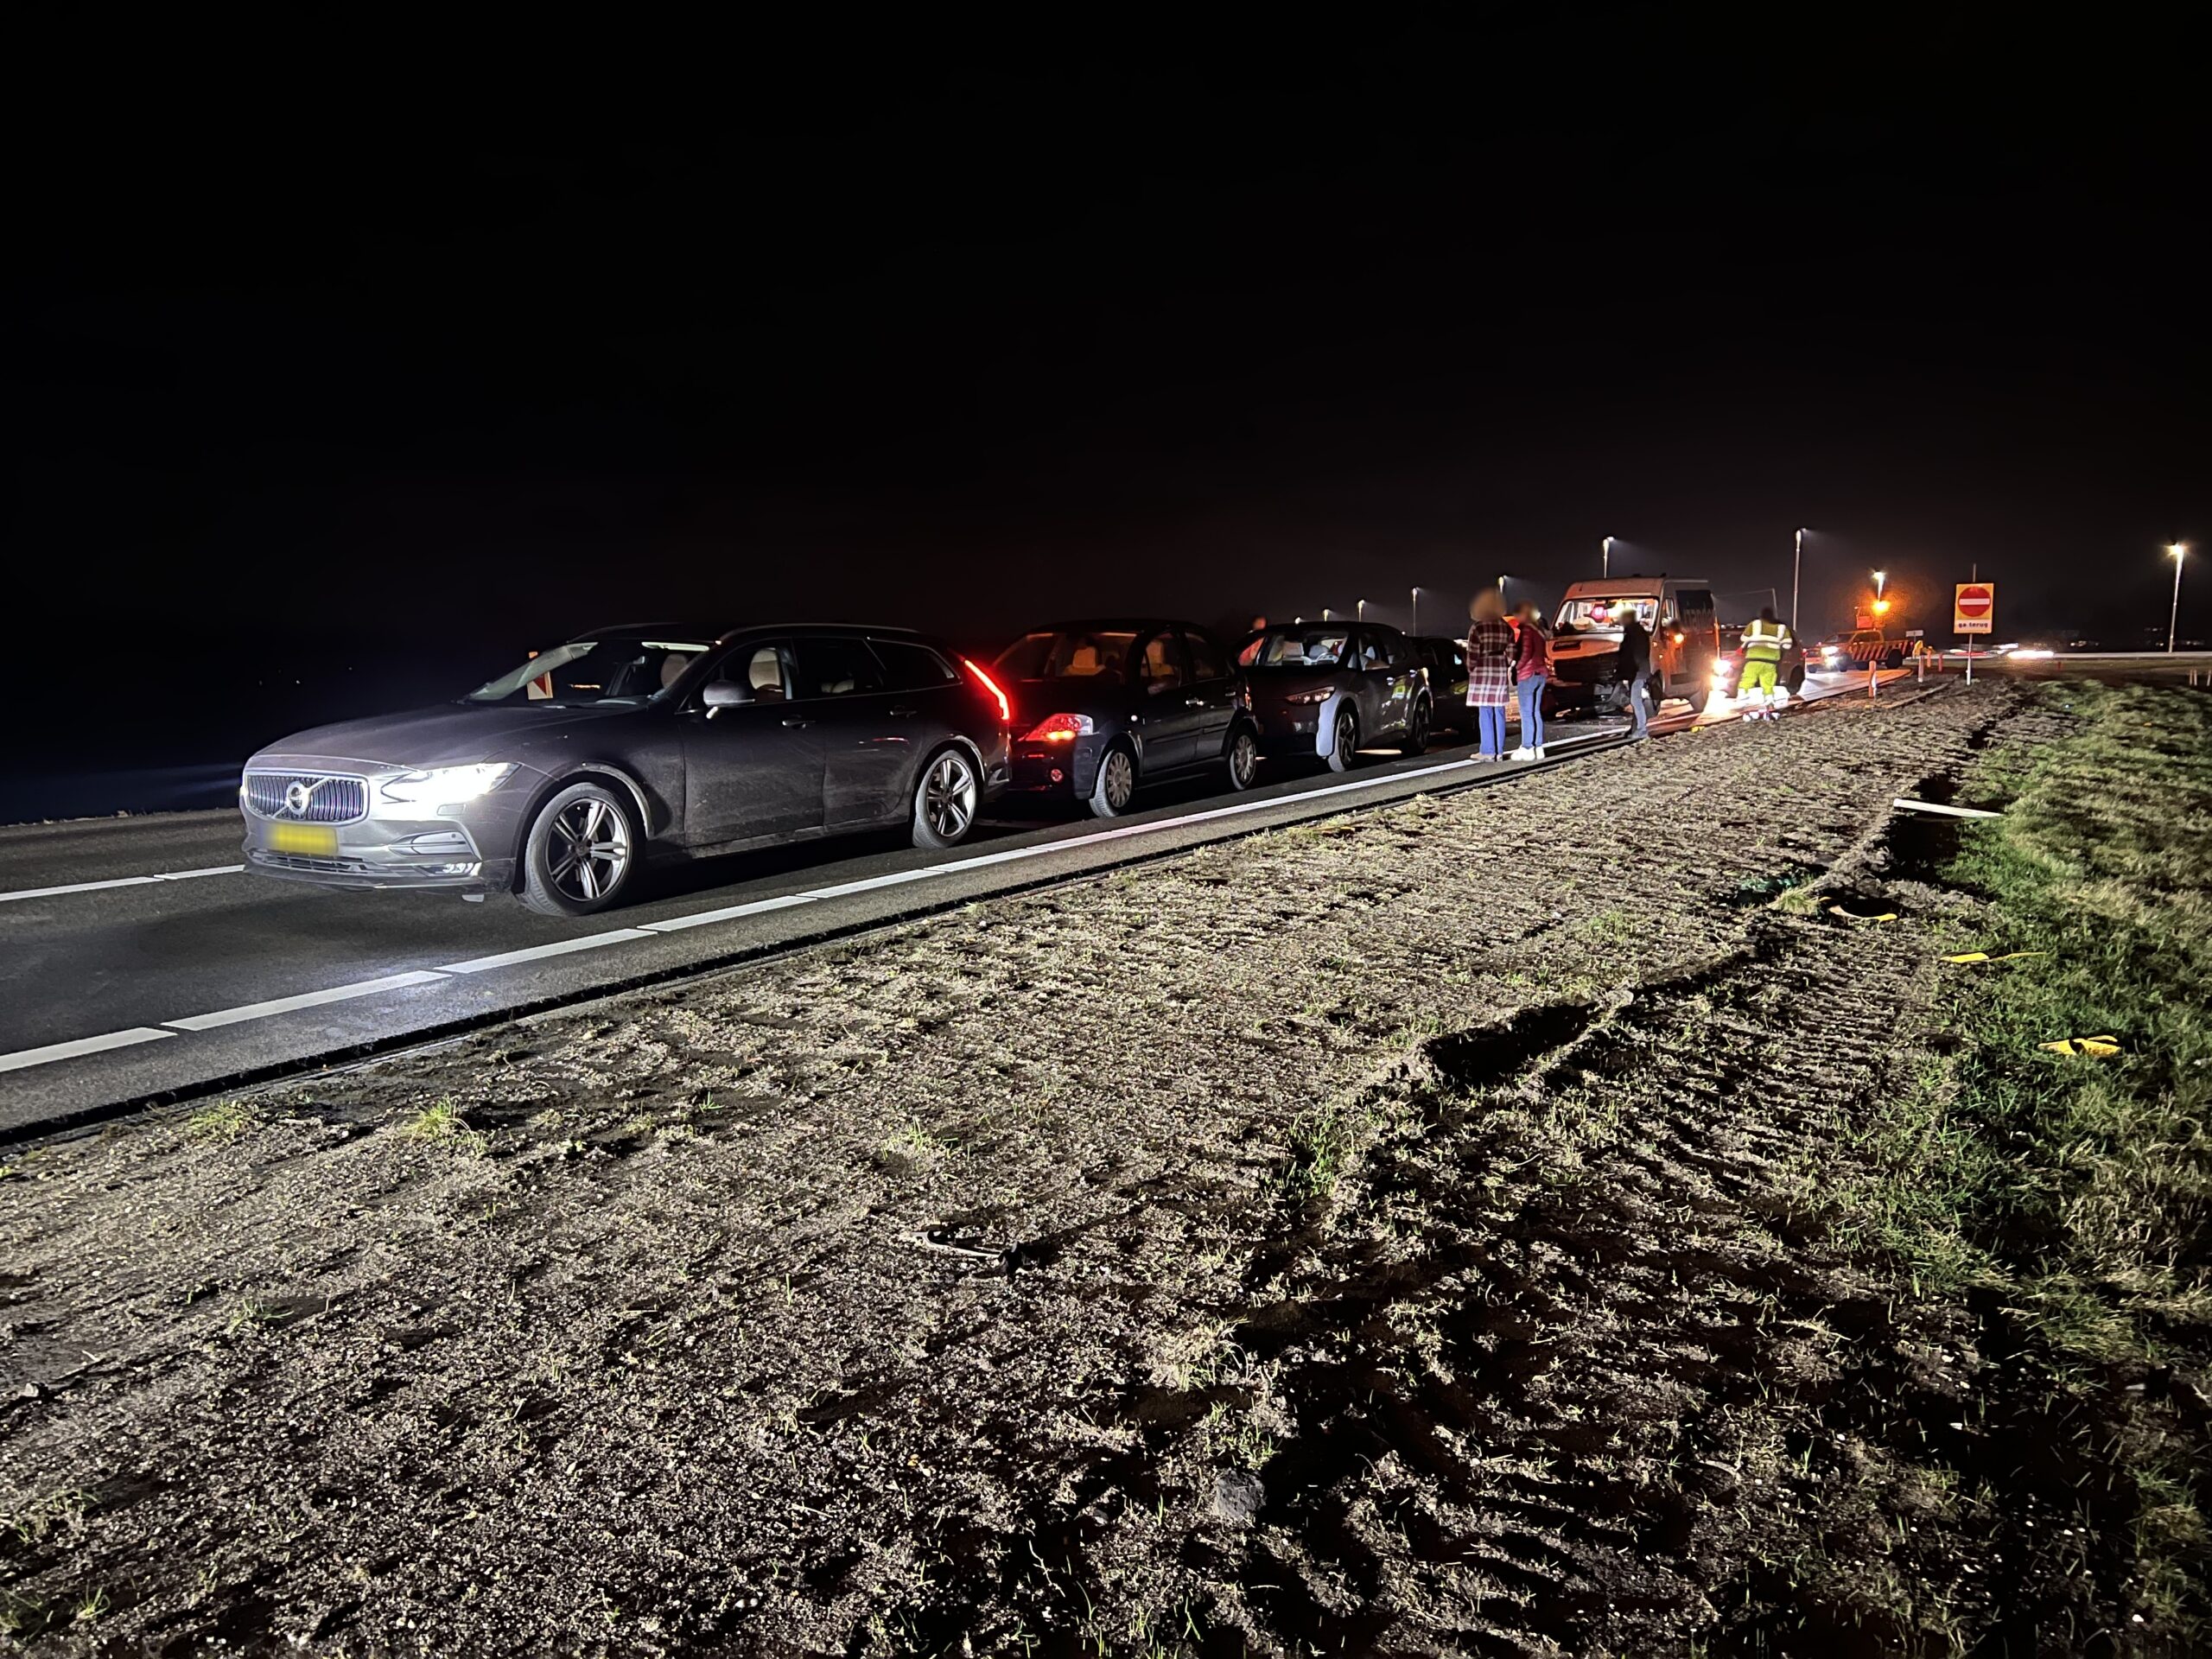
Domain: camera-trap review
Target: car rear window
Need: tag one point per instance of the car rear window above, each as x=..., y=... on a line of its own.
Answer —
x=831, y=666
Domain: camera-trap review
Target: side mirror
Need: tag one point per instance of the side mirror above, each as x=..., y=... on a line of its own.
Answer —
x=724, y=693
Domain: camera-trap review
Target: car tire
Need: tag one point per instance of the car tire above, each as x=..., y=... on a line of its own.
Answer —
x=1345, y=736
x=1116, y=787
x=1416, y=731
x=1697, y=696
x=1797, y=679
x=580, y=852
x=948, y=798
x=1243, y=757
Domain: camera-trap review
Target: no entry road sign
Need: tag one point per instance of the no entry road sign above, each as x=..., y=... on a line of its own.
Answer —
x=1974, y=607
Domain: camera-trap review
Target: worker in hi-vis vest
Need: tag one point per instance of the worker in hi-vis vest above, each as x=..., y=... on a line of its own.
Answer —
x=1759, y=685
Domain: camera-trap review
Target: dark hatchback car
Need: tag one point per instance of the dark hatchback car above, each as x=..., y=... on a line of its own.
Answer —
x=1330, y=689
x=557, y=779
x=1444, y=663
x=1102, y=707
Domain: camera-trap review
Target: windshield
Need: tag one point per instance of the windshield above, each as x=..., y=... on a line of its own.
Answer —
x=591, y=672
x=1597, y=616
x=1069, y=654
x=1295, y=648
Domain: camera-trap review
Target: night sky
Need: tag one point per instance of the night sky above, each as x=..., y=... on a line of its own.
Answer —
x=341, y=372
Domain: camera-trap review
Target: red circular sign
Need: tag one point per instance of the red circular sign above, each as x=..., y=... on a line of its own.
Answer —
x=1975, y=601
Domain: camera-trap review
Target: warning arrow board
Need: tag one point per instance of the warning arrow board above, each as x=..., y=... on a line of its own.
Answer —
x=1974, y=607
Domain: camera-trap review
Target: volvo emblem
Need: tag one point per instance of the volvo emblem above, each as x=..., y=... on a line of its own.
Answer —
x=296, y=797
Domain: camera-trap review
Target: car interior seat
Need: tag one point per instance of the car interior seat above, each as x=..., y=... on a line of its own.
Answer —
x=766, y=675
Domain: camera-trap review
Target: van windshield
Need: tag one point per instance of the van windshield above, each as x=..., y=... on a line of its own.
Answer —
x=1606, y=615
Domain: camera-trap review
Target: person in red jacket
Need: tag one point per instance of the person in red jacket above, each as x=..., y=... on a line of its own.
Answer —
x=1531, y=669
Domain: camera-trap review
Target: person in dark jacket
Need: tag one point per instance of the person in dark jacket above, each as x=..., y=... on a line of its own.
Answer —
x=1635, y=669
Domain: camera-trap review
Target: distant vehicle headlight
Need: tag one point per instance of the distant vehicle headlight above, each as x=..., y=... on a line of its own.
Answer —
x=446, y=785
x=1320, y=696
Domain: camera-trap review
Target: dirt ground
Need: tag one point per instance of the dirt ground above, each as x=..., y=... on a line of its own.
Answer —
x=1399, y=1234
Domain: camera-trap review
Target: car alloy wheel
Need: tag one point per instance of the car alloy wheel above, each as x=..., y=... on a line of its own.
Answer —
x=1243, y=758
x=1417, y=730
x=1117, y=784
x=1344, y=740
x=944, y=805
x=589, y=850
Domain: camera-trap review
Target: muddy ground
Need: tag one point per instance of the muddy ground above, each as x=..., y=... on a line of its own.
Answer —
x=1401, y=1235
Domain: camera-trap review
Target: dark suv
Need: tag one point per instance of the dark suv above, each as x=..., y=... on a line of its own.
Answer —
x=1328, y=689
x=1102, y=707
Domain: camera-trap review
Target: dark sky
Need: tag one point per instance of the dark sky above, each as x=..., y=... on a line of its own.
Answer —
x=366, y=363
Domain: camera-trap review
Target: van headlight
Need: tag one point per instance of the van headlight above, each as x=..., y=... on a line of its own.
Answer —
x=446, y=785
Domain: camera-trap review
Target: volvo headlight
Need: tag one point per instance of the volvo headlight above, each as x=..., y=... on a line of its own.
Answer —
x=444, y=785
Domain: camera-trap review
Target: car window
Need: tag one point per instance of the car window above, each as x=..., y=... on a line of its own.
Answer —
x=1069, y=654
x=1295, y=647
x=1373, y=652
x=629, y=669
x=766, y=666
x=909, y=666
x=1205, y=657
x=834, y=666
x=1160, y=662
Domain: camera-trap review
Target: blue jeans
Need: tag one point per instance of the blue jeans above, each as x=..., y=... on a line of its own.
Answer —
x=1491, y=718
x=1639, y=703
x=1532, y=712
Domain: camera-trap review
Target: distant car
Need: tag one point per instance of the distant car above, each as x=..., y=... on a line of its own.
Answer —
x=1444, y=662
x=557, y=779
x=1861, y=649
x=1102, y=707
x=1326, y=690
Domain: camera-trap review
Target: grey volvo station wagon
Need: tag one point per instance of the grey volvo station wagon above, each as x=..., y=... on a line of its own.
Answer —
x=557, y=780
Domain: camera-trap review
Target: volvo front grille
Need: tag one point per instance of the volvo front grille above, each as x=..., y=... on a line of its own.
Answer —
x=307, y=796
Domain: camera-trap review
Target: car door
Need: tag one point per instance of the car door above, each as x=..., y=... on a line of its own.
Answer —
x=1211, y=692
x=752, y=772
x=1381, y=709
x=1166, y=717
x=867, y=732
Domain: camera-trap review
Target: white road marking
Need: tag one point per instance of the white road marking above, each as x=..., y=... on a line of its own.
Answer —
x=729, y=913
x=304, y=999
x=79, y=886
x=119, y=881
x=23, y=1057
x=558, y=947
x=701, y=918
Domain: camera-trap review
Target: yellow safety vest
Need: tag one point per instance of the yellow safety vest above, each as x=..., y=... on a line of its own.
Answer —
x=1764, y=641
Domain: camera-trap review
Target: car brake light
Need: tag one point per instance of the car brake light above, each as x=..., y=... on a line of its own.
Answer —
x=1059, y=728
x=1006, y=708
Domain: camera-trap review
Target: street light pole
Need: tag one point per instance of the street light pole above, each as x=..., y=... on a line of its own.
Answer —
x=1416, y=627
x=1797, y=563
x=1362, y=612
x=1878, y=578
x=1604, y=559
x=2173, y=617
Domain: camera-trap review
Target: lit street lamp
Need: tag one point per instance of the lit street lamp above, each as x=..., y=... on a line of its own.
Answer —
x=1878, y=584
x=2173, y=617
x=1605, y=558
x=1362, y=612
x=1416, y=626
x=1797, y=563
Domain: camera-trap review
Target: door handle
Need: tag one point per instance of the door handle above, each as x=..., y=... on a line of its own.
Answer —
x=796, y=725
x=903, y=714
x=1194, y=703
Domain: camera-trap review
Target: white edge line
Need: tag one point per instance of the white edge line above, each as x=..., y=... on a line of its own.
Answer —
x=79, y=886
x=212, y=869
x=558, y=947
x=304, y=999
x=730, y=913
x=23, y=1057
x=614, y=936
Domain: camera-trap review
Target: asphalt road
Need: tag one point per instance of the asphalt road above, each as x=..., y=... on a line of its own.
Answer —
x=140, y=965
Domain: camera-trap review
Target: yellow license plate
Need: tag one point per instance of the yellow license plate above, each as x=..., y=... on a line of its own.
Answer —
x=308, y=840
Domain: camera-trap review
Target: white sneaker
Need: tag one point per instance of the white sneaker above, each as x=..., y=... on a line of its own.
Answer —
x=1524, y=752
x=1540, y=752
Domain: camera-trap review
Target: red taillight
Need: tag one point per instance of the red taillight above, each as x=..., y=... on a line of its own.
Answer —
x=1057, y=728
x=1006, y=708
